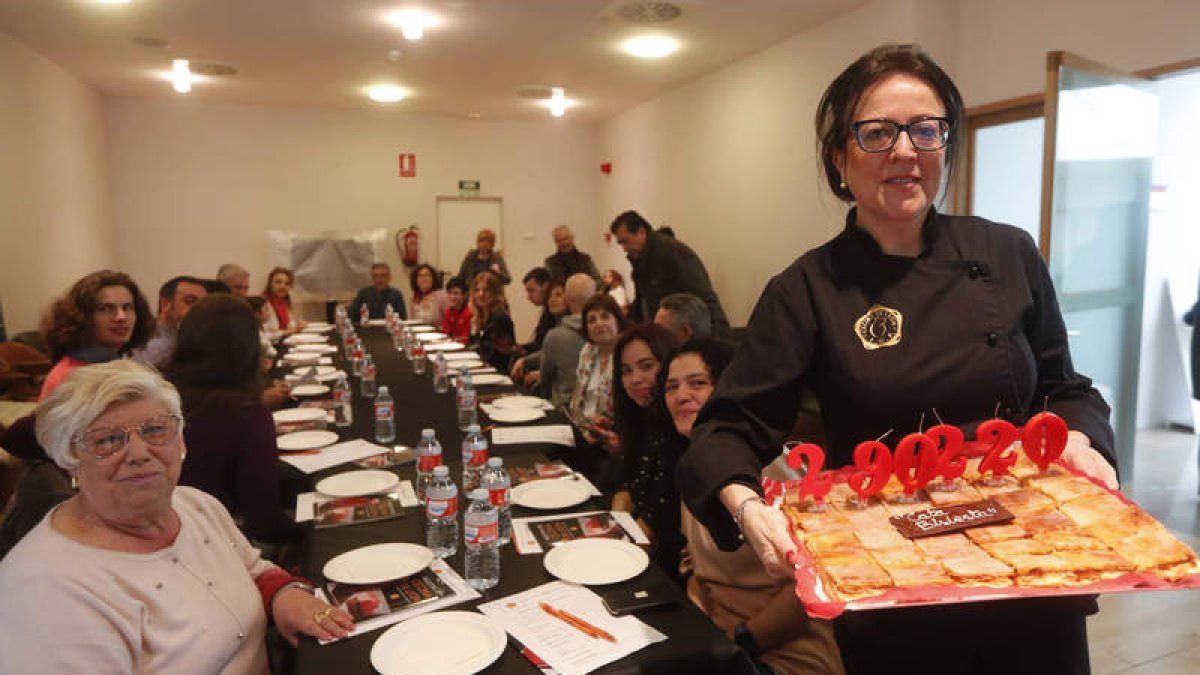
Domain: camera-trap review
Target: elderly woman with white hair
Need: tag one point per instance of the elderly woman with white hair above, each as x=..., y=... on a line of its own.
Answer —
x=133, y=574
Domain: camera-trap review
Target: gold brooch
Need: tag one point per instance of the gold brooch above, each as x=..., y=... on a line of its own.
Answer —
x=879, y=327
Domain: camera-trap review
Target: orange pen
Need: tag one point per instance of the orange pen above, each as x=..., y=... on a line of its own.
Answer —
x=577, y=623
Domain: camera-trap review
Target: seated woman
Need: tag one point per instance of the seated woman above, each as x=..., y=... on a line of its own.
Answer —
x=262, y=312
x=761, y=613
x=102, y=317
x=429, y=301
x=492, y=329
x=133, y=574
x=591, y=406
x=278, y=293
x=230, y=433
x=649, y=442
x=457, y=320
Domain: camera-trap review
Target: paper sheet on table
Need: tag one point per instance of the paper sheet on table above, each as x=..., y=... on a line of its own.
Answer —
x=305, y=501
x=462, y=593
x=558, y=434
x=567, y=649
x=287, y=363
x=463, y=356
x=339, y=453
x=525, y=542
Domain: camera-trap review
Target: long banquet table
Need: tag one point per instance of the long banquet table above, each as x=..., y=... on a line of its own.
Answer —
x=693, y=645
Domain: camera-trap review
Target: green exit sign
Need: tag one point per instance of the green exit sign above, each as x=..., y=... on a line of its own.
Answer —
x=468, y=188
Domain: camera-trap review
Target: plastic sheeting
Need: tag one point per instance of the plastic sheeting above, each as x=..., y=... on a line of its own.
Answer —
x=328, y=267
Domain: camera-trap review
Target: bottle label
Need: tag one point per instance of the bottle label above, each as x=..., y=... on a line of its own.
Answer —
x=369, y=372
x=428, y=463
x=466, y=398
x=477, y=458
x=440, y=508
x=484, y=533
x=498, y=497
x=383, y=411
x=358, y=353
x=341, y=395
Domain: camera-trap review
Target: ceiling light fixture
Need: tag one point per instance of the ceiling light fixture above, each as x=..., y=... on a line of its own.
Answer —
x=113, y=2
x=650, y=46
x=181, y=76
x=558, y=101
x=412, y=23
x=386, y=93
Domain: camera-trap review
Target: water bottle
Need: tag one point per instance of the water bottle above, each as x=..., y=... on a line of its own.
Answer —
x=466, y=401
x=397, y=336
x=409, y=339
x=366, y=386
x=498, y=484
x=419, y=360
x=480, y=534
x=349, y=339
x=343, y=413
x=474, y=458
x=441, y=374
x=363, y=315
x=441, y=514
x=356, y=359
x=385, y=417
x=429, y=457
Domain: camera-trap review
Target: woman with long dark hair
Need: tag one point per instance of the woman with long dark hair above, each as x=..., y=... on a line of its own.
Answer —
x=429, y=301
x=229, y=433
x=492, y=333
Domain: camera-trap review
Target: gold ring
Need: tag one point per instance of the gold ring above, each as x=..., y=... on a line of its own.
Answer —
x=318, y=616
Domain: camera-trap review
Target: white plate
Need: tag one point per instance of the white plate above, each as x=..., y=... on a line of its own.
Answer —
x=305, y=440
x=514, y=415
x=551, y=494
x=443, y=347
x=519, y=402
x=301, y=357
x=424, y=329
x=321, y=370
x=317, y=328
x=430, y=337
x=447, y=643
x=489, y=378
x=291, y=415
x=597, y=560
x=463, y=356
x=303, y=338
x=377, y=563
x=310, y=390
x=376, y=322
x=358, y=483
x=321, y=377
x=315, y=349
x=413, y=322
x=464, y=363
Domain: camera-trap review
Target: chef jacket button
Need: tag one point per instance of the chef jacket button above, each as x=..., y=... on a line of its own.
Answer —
x=993, y=339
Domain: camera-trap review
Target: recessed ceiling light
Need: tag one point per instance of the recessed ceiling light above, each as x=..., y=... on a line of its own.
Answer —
x=386, y=93
x=181, y=76
x=412, y=22
x=650, y=46
x=112, y=2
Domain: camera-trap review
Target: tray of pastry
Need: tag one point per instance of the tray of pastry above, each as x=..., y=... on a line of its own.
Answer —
x=1061, y=533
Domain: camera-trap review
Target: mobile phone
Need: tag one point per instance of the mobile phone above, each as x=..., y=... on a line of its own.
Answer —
x=636, y=598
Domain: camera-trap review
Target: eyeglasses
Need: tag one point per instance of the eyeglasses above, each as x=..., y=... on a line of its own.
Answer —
x=106, y=442
x=927, y=135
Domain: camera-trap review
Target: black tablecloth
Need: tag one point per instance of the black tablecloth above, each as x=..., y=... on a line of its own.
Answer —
x=694, y=644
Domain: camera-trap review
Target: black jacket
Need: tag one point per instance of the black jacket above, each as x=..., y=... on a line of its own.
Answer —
x=667, y=266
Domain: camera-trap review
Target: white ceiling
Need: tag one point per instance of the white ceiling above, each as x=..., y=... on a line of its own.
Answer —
x=323, y=53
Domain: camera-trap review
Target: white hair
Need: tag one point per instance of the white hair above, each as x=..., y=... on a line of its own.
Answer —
x=86, y=394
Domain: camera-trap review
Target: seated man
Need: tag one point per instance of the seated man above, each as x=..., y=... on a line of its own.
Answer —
x=175, y=299
x=685, y=315
x=378, y=295
x=236, y=278
x=560, y=349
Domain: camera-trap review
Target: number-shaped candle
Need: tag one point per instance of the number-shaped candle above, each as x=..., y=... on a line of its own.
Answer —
x=949, y=440
x=815, y=483
x=915, y=462
x=1044, y=438
x=1000, y=434
x=873, y=464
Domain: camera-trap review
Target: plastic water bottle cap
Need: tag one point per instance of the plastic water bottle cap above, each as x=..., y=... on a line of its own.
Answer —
x=383, y=389
x=441, y=471
x=479, y=494
x=495, y=462
x=472, y=428
x=427, y=433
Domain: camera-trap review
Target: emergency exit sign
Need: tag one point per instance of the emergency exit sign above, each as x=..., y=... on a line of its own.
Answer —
x=468, y=188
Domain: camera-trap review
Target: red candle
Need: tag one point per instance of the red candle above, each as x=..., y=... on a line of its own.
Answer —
x=949, y=440
x=1000, y=434
x=815, y=483
x=1044, y=438
x=915, y=462
x=873, y=463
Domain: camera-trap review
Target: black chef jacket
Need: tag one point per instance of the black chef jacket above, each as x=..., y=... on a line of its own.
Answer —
x=971, y=327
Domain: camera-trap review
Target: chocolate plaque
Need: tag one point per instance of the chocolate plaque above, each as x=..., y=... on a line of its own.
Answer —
x=946, y=519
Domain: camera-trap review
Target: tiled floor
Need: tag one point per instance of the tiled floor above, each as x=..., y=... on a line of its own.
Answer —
x=1155, y=633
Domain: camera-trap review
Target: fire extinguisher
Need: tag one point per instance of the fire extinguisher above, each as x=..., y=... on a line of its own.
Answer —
x=408, y=243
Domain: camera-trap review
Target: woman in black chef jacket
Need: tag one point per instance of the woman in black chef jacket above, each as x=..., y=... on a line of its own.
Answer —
x=905, y=312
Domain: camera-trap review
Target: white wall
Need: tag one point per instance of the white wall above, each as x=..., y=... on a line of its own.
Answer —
x=197, y=185
x=54, y=209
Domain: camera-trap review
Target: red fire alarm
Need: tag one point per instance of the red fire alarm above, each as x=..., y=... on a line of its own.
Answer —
x=606, y=168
